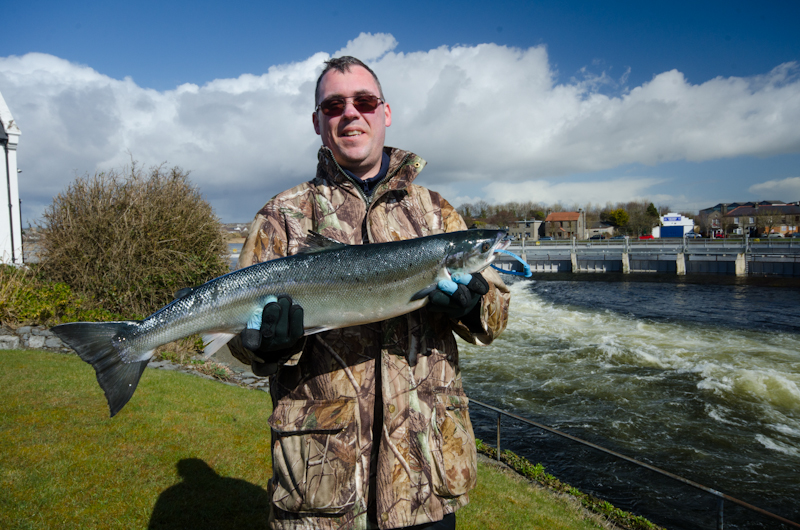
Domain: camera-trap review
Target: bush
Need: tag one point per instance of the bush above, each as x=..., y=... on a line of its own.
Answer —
x=131, y=239
x=25, y=298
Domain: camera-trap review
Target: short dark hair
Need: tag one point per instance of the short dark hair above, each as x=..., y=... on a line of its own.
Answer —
x=342, y=65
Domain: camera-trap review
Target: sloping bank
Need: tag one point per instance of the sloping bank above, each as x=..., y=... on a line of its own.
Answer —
x=227, y=370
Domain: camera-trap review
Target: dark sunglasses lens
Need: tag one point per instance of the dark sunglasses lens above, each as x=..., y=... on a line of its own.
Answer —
x=332, y=107
x=366, y=103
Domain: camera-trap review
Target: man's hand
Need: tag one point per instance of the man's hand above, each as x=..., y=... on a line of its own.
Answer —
x=281, y=328
x=457, y=298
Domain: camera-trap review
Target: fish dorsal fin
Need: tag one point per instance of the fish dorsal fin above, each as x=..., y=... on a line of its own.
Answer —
x=186, y=291
x=316, y=242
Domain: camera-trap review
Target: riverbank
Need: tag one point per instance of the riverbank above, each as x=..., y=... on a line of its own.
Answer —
x=64, y=461
x=559, y=501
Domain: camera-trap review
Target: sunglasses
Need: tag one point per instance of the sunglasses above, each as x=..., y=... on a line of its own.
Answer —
x=335, y=106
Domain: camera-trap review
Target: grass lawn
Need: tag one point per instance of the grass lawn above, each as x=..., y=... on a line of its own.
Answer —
x=185, y=452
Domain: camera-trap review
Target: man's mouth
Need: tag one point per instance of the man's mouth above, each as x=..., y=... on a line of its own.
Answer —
x=353, y=133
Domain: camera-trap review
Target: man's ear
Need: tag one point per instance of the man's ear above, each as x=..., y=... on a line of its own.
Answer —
x=387, y=112
x=315, y=119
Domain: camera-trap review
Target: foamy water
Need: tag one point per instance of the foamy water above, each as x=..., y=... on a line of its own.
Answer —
x=697, y=395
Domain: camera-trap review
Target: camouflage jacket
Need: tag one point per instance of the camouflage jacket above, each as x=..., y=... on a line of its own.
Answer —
x=337, y=447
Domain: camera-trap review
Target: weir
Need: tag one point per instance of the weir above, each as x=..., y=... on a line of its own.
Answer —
x=736, y=257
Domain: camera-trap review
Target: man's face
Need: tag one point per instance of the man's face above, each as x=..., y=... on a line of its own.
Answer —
x=355, y=138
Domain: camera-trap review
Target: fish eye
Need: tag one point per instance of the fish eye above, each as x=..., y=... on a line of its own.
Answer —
x=485, y=247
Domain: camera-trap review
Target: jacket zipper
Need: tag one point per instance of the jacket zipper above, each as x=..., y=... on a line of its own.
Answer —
x=367, y=201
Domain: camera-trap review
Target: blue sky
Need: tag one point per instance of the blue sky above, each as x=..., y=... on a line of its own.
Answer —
x=683, y=103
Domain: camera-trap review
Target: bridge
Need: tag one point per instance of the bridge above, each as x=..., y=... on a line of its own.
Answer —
x=740, y=257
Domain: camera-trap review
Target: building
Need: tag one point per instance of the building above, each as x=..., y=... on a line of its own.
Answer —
x=600, y=228
x=764, y=219
x=527, y=229
x=674, y=225
x=716, y=221
x=10, y=216
x=566, y=225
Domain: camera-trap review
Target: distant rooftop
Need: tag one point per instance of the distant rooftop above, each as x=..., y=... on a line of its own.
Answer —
x=563, y=216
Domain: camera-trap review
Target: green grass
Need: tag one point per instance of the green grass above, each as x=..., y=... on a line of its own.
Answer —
x=65, y=464
x=505, y=501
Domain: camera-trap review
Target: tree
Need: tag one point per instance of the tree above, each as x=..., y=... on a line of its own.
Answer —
x=639, y=221
x=705, y=222
x=768, y=218
x=618, y=217
x=482, y=209
x=651, y=210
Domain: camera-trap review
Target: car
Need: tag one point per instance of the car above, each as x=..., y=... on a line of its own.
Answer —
x=646, y=236
x=775, y=236
x=693, y=235
x=620, y=237
x=796, y=235
x=545, y=238
x=598, y=236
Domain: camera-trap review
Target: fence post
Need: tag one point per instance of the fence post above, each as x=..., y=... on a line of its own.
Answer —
x=498, y=437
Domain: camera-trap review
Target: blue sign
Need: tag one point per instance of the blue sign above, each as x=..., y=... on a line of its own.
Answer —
x=672, y=218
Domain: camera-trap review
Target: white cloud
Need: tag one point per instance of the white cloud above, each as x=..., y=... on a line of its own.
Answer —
x=478, y=114
x=368, y=47
x=575, y=193
x=787, y=189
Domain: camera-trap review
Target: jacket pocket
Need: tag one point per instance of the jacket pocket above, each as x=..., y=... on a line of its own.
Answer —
x=314, y=455
x=454, y=471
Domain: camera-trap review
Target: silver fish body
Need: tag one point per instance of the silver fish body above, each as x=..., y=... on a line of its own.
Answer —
x=338, y=286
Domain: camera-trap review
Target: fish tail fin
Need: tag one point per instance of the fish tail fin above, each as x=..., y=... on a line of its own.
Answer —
x=94, y=343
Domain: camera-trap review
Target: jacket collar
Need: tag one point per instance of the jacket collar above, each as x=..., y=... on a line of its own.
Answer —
x=404, y=166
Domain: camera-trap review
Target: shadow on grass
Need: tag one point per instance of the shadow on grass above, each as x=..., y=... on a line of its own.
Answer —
x=203, y=499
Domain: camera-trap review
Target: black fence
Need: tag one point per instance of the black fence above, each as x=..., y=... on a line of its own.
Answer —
x=663, y=497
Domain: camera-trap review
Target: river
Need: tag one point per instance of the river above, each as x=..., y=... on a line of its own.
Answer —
x=698, y=376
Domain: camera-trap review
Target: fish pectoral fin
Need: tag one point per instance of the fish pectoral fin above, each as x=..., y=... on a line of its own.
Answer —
x=215, y=341
x=316, y=242
x=419, y=295
x=182, y=293
x=318, y=329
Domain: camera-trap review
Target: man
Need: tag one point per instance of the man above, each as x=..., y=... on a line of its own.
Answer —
x=370, y=423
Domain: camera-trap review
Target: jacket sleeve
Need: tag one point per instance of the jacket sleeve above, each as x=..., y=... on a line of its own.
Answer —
x=493, y=305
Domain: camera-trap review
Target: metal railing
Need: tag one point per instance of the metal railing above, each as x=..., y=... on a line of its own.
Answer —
x=664, y=245
x=722, y=497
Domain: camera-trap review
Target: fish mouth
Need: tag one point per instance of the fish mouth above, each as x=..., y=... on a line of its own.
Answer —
x=501, y=244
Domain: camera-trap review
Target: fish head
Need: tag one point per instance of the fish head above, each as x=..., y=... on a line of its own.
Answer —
x=473, y=250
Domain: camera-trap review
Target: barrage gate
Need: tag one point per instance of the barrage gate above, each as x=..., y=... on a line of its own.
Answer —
x=740, y=257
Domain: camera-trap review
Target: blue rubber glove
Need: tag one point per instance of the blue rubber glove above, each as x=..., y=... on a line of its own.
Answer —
x=459, y=296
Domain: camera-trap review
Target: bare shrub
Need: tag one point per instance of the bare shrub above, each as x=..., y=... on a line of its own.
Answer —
x=132, y=238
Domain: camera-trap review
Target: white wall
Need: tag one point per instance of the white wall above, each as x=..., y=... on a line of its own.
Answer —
x=10, y=222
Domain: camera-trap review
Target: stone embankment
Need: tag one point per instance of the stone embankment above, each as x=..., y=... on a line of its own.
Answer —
x=30, y=337
x=41, y=338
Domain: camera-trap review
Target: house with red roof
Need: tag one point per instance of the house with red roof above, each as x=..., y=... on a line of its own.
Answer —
x=566, y=225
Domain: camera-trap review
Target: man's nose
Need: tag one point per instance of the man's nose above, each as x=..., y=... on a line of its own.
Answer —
x=350, y=109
